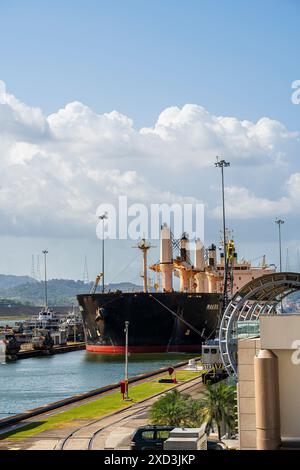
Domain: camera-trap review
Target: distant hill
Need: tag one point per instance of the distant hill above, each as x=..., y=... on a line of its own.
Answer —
x=60, y=291
x=8, y=280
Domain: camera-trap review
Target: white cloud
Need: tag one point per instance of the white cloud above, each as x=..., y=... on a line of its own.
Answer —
x=195, y=135
x=242, y=203
x=56, y=170
x=21, y=121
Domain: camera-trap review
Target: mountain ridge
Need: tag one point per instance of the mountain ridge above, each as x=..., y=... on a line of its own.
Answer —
x=60, y=291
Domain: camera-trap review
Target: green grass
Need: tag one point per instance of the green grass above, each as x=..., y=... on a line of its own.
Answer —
x=97, y=408
x=184, y=375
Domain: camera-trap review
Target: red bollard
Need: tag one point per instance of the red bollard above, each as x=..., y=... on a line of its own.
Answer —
x=123, y=388
x=171, y=371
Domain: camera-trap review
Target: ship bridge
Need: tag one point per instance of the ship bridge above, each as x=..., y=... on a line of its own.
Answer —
x=241, y=318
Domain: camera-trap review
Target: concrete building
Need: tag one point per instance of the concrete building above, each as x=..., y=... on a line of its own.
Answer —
x=269, y=385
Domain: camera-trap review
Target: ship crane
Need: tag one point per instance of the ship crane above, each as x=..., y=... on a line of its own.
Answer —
x=230, y=250
x=144, y=247
x=263, y=264
x=95, y=285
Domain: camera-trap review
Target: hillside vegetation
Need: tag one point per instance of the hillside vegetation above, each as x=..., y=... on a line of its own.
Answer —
x=13, y=289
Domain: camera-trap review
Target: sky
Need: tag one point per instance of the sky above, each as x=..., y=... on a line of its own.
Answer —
x=133, y=97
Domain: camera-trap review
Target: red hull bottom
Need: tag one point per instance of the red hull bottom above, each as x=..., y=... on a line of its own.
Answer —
x=143, y=349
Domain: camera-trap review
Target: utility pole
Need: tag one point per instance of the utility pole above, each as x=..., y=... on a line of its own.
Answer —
x=103, y=217
x=126, y=360
x=223, y=164
x=45, y=252
x=287, y=261
x=279, y=222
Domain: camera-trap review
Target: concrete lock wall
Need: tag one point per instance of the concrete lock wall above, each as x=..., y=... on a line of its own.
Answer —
x=280, y=337
x=281, y=334
x=289, y=392
x=258, y=400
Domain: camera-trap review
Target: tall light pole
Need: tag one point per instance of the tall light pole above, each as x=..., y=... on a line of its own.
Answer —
x=126, y=359
x=45, y=252
x=279, y=222
x=103, y=217
x=223, y=164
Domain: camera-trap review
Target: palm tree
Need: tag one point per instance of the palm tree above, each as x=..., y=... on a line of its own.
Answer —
x=218, y=405
x=194, y=416
x=171, y=409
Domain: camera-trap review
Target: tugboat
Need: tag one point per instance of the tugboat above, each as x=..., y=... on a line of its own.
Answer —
x=42, y=340
x=47, y=318
x=47, y=322
x=9, y=346
x=73, y=326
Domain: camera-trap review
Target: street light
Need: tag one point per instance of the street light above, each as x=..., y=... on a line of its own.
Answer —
x=126, y=359
x=223, y=164
x=279, y=222
x=45, y=252
x=103, y=217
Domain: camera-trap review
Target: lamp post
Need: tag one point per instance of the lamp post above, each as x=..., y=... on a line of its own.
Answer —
x=279, y=222
x=45, y=252
x=223, y=164
x=126, y=359
x=103, y=217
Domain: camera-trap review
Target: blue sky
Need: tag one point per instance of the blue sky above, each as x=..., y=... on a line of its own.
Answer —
x=234, y=58
x=136, y=56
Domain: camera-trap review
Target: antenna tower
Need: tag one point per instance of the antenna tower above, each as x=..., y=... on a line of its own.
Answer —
x=86, y=279
x=38, y=269
x=32, y=272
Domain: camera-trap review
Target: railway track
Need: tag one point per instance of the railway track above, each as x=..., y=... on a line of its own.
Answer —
x=83, y=437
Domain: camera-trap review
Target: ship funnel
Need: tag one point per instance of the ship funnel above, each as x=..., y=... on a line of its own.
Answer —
x=212, y=256
x=166, y=261
x=199, y=255
x=165, y=244
x=184, y=248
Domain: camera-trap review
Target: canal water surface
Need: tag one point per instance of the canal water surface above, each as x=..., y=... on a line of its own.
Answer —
x=29, y=383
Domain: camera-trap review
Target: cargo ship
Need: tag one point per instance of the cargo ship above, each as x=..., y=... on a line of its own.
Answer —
x=161, y=319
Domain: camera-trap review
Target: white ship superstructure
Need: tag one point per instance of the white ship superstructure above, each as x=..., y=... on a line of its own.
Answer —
x=206, y=273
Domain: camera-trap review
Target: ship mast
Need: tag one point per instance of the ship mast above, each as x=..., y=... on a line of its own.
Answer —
x=144, y=247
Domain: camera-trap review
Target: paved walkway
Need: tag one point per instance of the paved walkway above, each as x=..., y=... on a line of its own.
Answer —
x=110, y=432
x=118, y=436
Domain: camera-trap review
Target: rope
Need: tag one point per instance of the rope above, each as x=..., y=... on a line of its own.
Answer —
x=179, y=318
x=122, y=270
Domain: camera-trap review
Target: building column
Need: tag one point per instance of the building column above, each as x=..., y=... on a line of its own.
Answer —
x=267, y=401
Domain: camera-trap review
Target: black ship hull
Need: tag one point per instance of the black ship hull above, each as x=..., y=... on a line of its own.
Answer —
x=158, y=322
